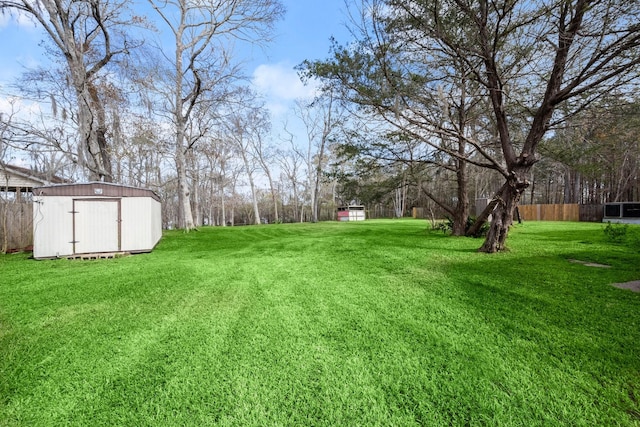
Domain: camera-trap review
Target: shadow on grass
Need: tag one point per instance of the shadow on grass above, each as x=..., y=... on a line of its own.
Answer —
x=556, y=308
x=579, y=329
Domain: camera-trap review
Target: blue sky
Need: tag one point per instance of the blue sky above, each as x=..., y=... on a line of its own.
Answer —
x=306, y=29
x=19, y=47
x=303, y=34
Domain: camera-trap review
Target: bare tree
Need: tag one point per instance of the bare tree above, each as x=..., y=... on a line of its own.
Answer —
x=320, y=119
x=264, y=156
x=6, y=130
x=140, y=151
x=246, y=128
x=291, y=164
x=87, y=36
x=49, y=142
x=202, y=33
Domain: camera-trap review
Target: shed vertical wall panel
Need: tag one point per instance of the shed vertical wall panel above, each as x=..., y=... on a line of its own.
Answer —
x=52, y=227
x=156, y=222
x=356, y=215
x=140, y=231
x=134, y=229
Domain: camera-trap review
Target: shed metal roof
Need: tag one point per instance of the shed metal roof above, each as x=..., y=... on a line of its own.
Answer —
x=92, y=189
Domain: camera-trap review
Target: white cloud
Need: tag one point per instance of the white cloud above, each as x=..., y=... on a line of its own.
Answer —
x=10, y=104
x=19, y=108
x=18, y=18
x=278, y=109
x=281, y=82
x=280, y=85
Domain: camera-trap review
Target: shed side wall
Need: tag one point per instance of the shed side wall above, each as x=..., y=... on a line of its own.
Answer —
x=156, y=222
x=52, y=227
x=141, y=224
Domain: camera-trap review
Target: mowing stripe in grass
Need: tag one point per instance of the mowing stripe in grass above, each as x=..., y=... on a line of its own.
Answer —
x=375, y=323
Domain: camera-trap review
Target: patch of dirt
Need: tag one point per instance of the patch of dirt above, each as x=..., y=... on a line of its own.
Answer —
x=633, y=286
x=589, y=264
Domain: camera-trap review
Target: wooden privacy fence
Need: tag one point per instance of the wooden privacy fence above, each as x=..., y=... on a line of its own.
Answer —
x=568, y=212
x=16, y=226
x=591, y=213
x=557, y=212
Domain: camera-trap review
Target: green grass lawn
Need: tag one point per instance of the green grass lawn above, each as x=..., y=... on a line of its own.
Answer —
x=380, y=323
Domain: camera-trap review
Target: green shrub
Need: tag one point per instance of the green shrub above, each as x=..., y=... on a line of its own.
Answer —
x=440, y=226
x=616, y=233
x=447, y=226
x=482, y=231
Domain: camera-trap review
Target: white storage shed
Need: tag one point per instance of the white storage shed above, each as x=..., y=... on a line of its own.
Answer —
x=94, y=218
x=351, y=213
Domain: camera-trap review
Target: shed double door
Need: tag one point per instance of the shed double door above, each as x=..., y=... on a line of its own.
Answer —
x=96, y=225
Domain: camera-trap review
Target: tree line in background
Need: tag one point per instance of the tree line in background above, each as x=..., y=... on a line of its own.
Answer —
x=433, y=104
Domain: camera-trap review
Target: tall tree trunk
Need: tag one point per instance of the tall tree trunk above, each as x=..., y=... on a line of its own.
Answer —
x=398, y=205
x=185, y=216
x=273, y=192
x=223, y=204
x=461, y=212
x=197, y=214
x=296, y=209
x=99, y=122
x=252, y=185
x=314, y=206
x=507, y=200
x=92, y=133
x=195, y=189
x=223, y=207
x=254, y=197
